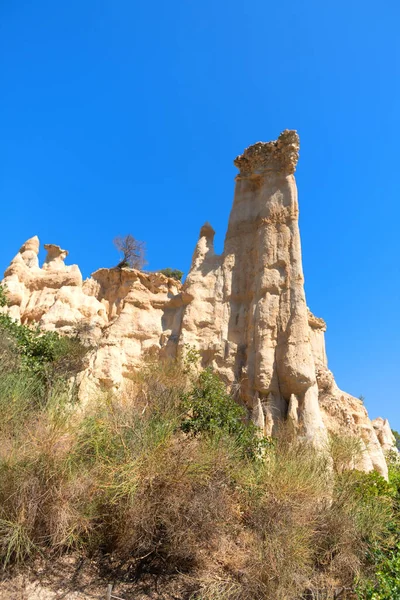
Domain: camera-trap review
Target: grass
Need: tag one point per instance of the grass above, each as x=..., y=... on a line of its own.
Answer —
x=162, y=480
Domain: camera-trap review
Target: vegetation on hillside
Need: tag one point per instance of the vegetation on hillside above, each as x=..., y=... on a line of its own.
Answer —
x=169, y=478
x=174, y=273
x=397, y=438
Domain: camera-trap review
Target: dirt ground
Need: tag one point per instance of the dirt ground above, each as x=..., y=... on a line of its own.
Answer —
x=79, y=579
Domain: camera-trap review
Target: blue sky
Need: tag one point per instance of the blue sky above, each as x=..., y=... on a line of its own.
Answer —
x=124, y=117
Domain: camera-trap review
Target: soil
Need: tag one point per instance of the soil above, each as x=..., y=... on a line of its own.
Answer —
x=75, y=578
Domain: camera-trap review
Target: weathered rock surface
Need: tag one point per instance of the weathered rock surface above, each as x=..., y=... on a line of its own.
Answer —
x=384, y=434
x=244, y=310
x=249, y=315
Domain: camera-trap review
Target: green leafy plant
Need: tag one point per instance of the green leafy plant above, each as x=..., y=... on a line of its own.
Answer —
x=191, y=359
x=34, y=364
x=397, y=438
x=384, y=554
x=39, y=349
x=211, y=410
x=174, y=273
x=386, y=583
x=3, y=296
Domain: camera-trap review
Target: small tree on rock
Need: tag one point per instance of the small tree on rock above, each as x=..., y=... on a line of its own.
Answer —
x=174, y=273
x=132, y=250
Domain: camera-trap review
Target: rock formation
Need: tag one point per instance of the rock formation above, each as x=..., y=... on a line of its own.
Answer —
x=253, y=297
x=244, y=310
x=384, y=434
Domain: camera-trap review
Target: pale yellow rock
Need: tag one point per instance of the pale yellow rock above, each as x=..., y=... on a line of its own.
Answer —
x=317, y=338
x=384, y=434
x=342, y=413
x=55, y=257
x=245, y=311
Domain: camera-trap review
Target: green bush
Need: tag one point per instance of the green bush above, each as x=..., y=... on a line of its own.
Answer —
x=386, y=583
x=38, y=348
x=34, y=363
x=174, y=273
x=384, y=555
x=210, y=407
x=3, y=296
x=211, y=410
x=397, y=438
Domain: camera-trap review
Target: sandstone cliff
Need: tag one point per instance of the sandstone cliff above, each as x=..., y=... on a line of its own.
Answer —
x=244, y=310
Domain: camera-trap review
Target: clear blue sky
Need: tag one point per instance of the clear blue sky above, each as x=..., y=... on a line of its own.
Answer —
x=119, y=116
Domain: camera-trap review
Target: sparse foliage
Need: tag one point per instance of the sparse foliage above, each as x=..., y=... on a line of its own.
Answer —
x=346, y=452
x=39, y=351
x=211, y=410
x=132, y=250
x=384, y=554
x=397, y=438
x=167, y=479
x=3, y=296
x=174, y=273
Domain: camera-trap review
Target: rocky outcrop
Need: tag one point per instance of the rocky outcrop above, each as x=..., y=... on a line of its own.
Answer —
x=122, y=313
x=245, y=310
x=384, y=434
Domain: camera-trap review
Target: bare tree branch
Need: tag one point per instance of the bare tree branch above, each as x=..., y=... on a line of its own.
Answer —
x=132, y=250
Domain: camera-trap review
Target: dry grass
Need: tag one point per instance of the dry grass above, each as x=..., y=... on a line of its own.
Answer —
x=346, y=452
x=124, y=482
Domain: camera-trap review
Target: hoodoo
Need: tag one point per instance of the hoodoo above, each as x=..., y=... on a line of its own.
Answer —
x=256, y=312
x=245, y=311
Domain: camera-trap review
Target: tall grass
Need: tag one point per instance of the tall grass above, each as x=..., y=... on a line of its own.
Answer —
x=145, y=479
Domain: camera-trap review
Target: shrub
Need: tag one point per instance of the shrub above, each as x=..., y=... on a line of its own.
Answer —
x=210, y=409
x=120, y=479
x=3, y=296
x=384, y=582
x=397, y=438
x=34, y=366
x=174, y=273
x=283, y=506
x=39, y=348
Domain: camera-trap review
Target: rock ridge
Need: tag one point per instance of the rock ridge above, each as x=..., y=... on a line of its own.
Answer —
x=244, y=310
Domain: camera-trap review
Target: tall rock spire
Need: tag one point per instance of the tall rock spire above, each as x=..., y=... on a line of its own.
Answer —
x=260, y=323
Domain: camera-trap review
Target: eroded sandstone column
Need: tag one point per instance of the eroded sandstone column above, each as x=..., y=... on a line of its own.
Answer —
x=23, y=269
x=268, y=318
x=246, y=309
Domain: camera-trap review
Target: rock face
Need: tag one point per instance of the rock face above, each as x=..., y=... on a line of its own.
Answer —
x=244, y=310
x=251, y=306
x=384, y=433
